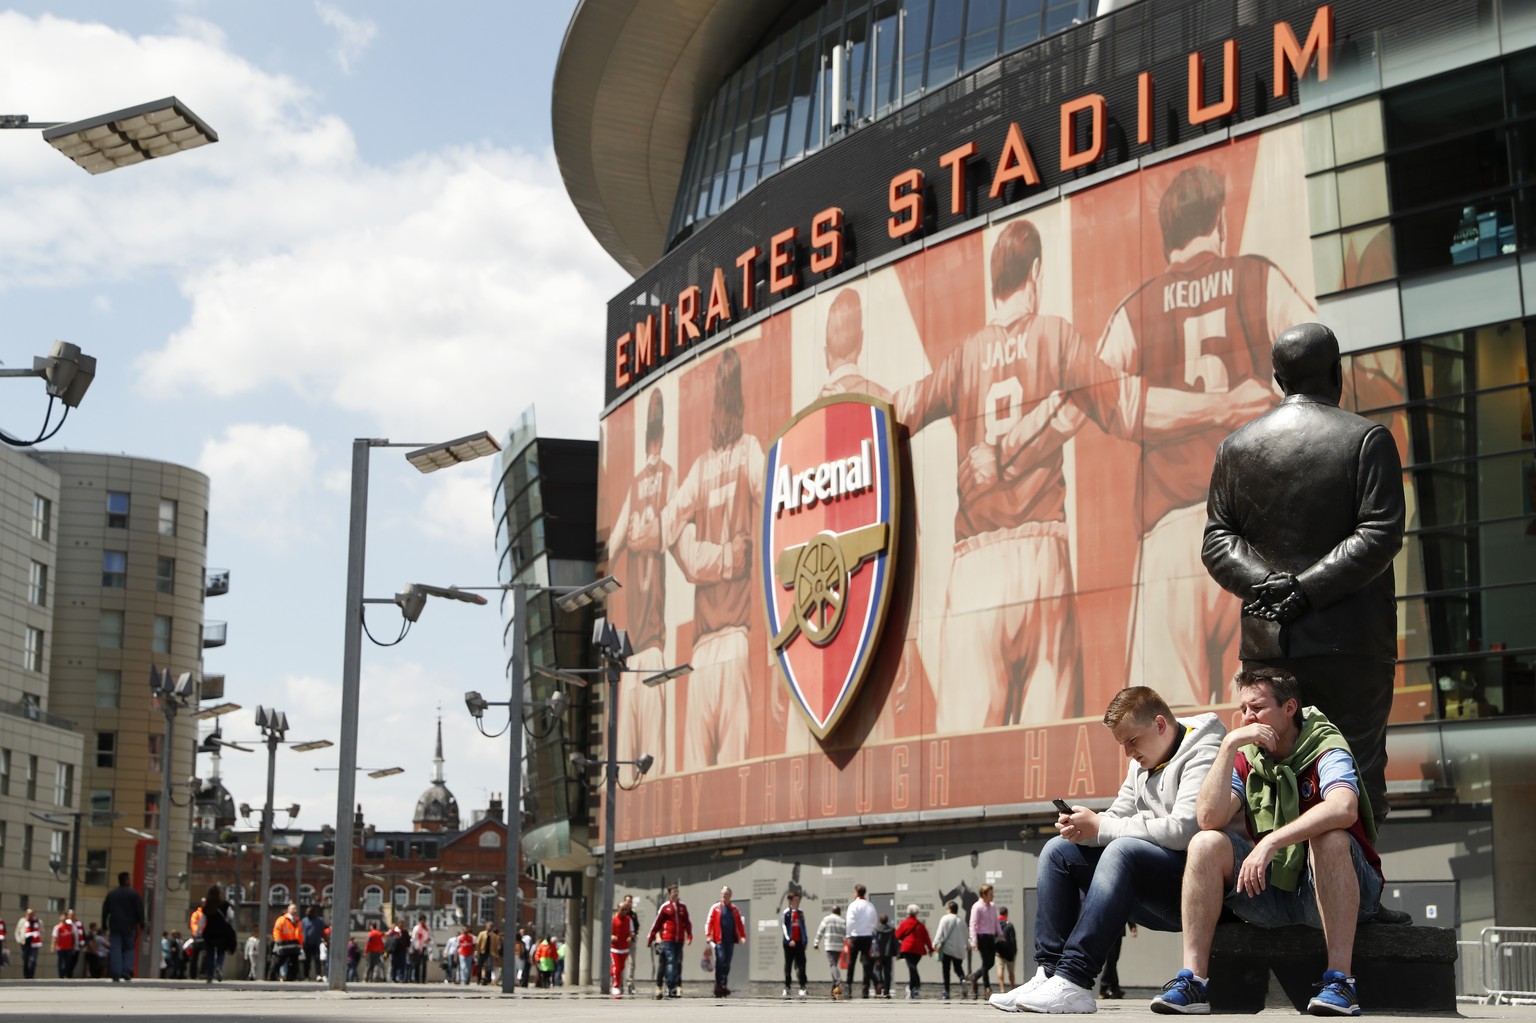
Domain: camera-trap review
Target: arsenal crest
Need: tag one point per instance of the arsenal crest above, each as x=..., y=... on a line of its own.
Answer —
x=829, y=532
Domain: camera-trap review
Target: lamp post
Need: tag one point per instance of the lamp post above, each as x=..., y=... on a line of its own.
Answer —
x=274, y=729
x=568, y=598
x=426, y=458
x=613, y=646
x=172, y=696
x=73, y=818
x=99, y=144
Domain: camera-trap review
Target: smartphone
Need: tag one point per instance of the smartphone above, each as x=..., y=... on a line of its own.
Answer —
x=1061, y=806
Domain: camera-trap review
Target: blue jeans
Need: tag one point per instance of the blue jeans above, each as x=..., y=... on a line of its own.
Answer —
x=213, y=962
x=1088, y=893
x=723, y=952
x=464, y=964
x=672, y=957
x=120, y=955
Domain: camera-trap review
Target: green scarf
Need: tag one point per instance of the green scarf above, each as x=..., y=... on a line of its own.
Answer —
x=1273, y=800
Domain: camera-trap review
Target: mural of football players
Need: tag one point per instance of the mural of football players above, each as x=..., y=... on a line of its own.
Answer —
x=1009, y=649
x=845, y=342
x=1194, y=343
x=708, y=527
x=636, y=538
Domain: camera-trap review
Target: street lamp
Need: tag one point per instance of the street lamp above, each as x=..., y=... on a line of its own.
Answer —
x=66, y=373
x=100, y=144
x=372, y=772
x=172, y=696
x=567, y=598
x=73, y=818
x=124, y=137
x=426, y=458
x=614, y=648
x=274, y=727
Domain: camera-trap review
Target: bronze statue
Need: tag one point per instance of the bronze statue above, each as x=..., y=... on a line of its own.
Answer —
x=1303, y=519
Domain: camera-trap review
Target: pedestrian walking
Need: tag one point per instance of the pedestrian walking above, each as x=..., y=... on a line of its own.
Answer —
x=796, y=937
x=29, y=935
x=914, y=942
x=831, y=937
x=950, y=942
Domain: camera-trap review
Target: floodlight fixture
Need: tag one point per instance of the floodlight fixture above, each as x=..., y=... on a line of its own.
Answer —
x=645, y=763
x=464, y=449
x=313, y=744
x=126, y=137
x=292, y=811
x=588, y=594
x=245, y=809
x=476, y=704
x=557, y=703
x=66, y=371
x=666, y=676
x=140, y=833
x=612, y=642
x=217, y=710
x=580, y=761
x=413, y=598
x=385, y=772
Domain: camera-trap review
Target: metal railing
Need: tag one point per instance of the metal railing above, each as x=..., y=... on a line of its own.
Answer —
x=1509, y=965
x=32, y=712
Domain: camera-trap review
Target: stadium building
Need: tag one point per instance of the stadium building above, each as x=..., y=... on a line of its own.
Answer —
x=909, y=573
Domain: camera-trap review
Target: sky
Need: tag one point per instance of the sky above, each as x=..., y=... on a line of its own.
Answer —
x=378, y=246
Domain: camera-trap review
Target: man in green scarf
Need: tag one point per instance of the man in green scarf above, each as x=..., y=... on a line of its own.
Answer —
x=1302, y=854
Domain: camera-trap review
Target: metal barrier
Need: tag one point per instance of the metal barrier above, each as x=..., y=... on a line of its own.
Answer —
x=1509, y=964
x=1469, y=972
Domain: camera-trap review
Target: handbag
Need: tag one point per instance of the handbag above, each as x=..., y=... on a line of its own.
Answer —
x=845, y=954
x=708, y=962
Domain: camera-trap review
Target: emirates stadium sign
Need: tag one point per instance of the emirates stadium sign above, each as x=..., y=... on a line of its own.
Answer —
x=829, y=535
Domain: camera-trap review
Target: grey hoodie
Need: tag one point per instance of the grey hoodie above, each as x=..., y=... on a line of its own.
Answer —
x=1159, y=807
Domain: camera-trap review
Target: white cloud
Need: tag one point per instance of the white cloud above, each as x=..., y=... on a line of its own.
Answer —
x=260, y=478
x=456, y=507
x=353, y=34
x=465, y=289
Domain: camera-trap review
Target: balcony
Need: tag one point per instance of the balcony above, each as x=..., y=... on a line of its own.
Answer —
x=213, y=687
x=214, y=634
x=29, y=710
x=217, y=583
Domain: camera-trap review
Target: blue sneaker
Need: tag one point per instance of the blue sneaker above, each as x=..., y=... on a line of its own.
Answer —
x=1183, y=995
x=1335, y=996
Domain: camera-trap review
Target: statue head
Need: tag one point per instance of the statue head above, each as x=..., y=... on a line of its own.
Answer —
x=1306, y=361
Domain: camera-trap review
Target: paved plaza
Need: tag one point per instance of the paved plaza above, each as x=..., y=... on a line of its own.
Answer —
x=97, y=1001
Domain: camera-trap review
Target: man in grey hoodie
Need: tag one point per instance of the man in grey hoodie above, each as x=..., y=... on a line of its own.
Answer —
x=1124, y=865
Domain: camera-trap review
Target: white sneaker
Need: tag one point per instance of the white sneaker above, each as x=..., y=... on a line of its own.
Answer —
x=1009, y=1001
x=1059, y=995
x=802, y=992
x=786, y=993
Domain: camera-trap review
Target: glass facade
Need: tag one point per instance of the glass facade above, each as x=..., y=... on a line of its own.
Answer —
x=1424, y=177
x=545, y=521
x=842, y=65
x=1460, y=406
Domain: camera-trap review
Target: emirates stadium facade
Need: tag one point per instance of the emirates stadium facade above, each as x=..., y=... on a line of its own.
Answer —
x=909, y=557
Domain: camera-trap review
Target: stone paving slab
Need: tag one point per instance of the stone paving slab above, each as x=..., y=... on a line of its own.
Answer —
x=99, y=1001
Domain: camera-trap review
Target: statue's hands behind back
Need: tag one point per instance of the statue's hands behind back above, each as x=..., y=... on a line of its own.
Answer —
x=1279, y=598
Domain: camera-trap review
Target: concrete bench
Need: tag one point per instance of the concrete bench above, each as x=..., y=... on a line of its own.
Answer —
x=1396, y=967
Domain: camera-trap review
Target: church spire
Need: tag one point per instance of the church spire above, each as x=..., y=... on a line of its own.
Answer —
x=437, y=761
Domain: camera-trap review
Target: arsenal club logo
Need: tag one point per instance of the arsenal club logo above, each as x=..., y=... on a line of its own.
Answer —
x=829, y=531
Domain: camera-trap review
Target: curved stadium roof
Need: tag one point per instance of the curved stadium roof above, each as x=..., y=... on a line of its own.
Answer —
x=631, y=76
